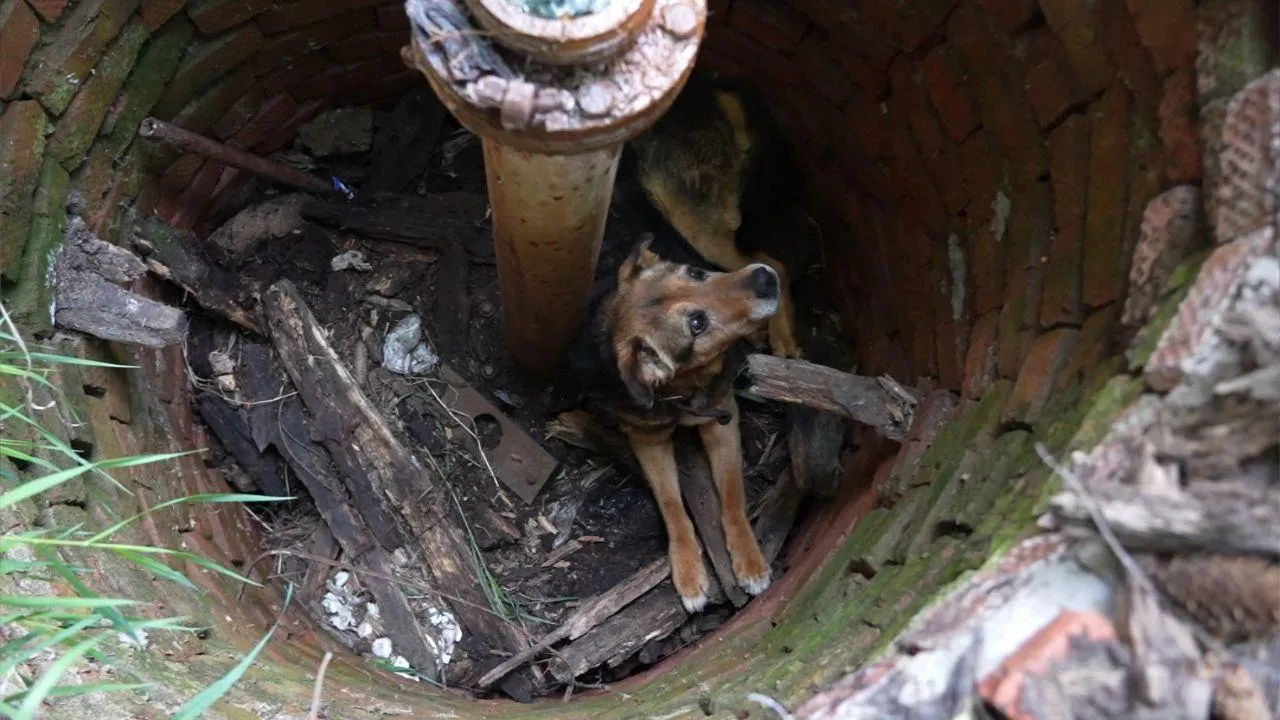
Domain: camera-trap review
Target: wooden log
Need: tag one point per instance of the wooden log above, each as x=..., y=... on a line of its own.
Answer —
x=703, y=503
x=1225, y=519
x=871, y=401
x=403, y=142
x=814, y=439
x=777, y=515
x=233, y=432
x=373, y=462
x=433, y=222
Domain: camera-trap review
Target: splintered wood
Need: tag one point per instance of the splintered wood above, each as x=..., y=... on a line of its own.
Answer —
x=878, y=402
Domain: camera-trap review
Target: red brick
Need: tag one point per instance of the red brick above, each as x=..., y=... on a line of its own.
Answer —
x=180, y=173
x=1077, y=28
x=1179, y=128
x=1133, y=63
x=389, y=87
x=1010, y=15
x=1108, y=193
x=155, y=13
x=945, y=80
x=206, y=63
x=283, y=134
x=1095, y=345
x=1041, y=374
x=750, y=60
x=359, y=46
x=192, y=202
x=980, y=360
x=908, y=100
x=305, y=12
x=1069, y=175
x=1146, y=178
x=299, y=70
x=22, y=140
x=985, y=235
x=78, y=126
x=1051, y=84
x=19, y=32
x=283, y=48
x=115, y=179
x=1027, y=244
x=201, y=113
x=912, y=176
x=1006, y=687
x=60, y=67
x=213, y=16
x=981, y=53
x=240, y=114
x=869, y=125
x=348, y=77
x=815, y=59
x=949, y=311
x=773, y=24
x=1172, y=225
x=50, y=10
x=1168, y=30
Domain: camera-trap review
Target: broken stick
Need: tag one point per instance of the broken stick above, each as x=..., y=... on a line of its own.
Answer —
x=374, y=463
x=864, y=399
x=703, y=501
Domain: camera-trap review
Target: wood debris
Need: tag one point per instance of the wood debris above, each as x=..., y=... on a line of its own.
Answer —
x=864, y=399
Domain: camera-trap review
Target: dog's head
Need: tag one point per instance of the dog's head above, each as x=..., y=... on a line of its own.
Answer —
x=670, y=320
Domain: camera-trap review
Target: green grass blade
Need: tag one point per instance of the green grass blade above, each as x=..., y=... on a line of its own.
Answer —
x=210, y=695
x=158, y=568
x=45, y=684
x=205, y=497
x=88, y=603
x=61, y=360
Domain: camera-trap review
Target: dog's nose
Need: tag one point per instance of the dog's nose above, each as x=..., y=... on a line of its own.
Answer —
x=764, y=282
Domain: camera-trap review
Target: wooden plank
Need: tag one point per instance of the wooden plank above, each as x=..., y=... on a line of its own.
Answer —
x=871, y=401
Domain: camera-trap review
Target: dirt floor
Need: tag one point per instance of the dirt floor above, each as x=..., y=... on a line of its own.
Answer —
x=594, y=501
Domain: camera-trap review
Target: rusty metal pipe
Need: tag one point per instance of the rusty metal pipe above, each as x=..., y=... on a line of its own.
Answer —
x=552, y=135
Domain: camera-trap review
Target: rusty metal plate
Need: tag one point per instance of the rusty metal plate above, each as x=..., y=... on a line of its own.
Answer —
x=519, y=461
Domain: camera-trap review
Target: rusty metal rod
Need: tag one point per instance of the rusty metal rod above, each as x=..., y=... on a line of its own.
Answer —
x=188, y=141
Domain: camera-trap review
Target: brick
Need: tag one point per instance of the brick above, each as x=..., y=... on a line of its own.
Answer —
x=76, y=129
x=948, y=287
x=987, y=227
x=946, y=82
x=280, y=49
x=1133, y=63
x=201, y=113
x=912, y=176
x=305, y=12
x=981, y=53
x=192, y=202
x=146, y=83
x=240, y=114
x=155, y=13
x=283, y=134
x=1018, y=143
x=60, y=67
x=1172, y=226
x=1146, y=178
x=1041, y=374
x=814, y=58
x=342, y=78
x=980, y=360
x=774, y=25
x=1051, y=83
x=33, y=295
x=214, y=16
x=870, y=125
x=1031, y=222
x=392, y=17
x=299, y=70
x=1234, y=44
x=909, y=100
x=1077, y=28
x=1069, y=176
x=50, y=10
x=22, y=140
x=204, y=64
x=1168, y=30
x=1108, y=191
x=1179, y=128
x=19, y=33
x=274, y=113
x=1096, y=344
x=1246, y=193
x=391, y=42
x=1213, y=116
x=1011, y=15
x=390, y=87
x=180, y=173
x=99, y=177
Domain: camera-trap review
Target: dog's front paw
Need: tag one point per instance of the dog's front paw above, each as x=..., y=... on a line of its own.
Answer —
x=690, y=578
x=752, y=571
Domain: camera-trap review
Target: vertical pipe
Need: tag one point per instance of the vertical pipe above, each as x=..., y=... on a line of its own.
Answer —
x=549, y=214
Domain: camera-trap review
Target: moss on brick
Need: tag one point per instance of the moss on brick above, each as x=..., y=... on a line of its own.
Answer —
x=22, y=140
x=146, y=82
x=1174, y=290
x=32, y=299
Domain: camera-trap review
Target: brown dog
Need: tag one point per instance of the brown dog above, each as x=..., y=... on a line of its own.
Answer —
x=663, y=341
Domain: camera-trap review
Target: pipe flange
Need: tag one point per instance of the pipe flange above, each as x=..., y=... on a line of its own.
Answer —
x=596, y=37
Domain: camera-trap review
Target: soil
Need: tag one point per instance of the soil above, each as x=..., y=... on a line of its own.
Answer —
x=616, y=520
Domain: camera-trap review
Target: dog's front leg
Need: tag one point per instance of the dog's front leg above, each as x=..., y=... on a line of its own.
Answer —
x=724, y=449
x=658, y=460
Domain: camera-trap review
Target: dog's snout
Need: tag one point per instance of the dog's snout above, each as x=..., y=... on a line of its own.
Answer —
x=764, y=282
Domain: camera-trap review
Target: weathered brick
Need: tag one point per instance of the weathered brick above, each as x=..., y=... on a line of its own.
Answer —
x=298, y=70
x=1172, y=226
x=121, y=185
x=980, y=361
x=1069, y=175
x=1096, y=344
x=1041, y=374
x=948, y=285
x=774, y=25
x=392, y=17
x=283, y=133
x=1133, y=63
x=78, y=126
x=1051, y=84
x=213, y=16
x=180, y=173
x=1213, y=115
x=33, y=296
x=60, y=67
x=946, y=82
x=1179, y=128
x=1031, y=222
x=1007, y=115
x=1168, y=30
x=50, y=10
x=1234, y=44
x=1246, y=194
x=274, y=113
x=908, y=100
x=240, y=114
x=981, y=52
x=377, y=94
x=305, y=12
x=22, y=140
x=192, y=201
x=987, y=224
x=280, y=49
x=912, y=177
x=343, y=78
x=155, y=13
x=19, y=33
x=1146, y=177
x=146, y=82
x=1011, y=15
x=869, y=124
x=201, y=113
x=815, y=59
x=1076, y=27
x=1108, y=194
x=391, y=42
x=204, y=64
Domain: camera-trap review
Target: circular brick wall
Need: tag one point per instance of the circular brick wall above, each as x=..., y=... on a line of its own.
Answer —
x=980, y=169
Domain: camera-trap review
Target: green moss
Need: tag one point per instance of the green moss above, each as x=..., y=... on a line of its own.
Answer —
x=32, y=298
x=146, y=83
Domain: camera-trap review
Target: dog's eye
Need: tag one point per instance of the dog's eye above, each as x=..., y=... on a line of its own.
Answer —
x=696, y=273
x=697, y=322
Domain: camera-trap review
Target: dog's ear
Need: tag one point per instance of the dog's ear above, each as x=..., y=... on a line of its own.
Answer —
x=632, y=370
x=642, y=256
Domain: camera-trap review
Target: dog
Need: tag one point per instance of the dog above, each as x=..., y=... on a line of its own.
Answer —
x=713, y=155
x=661, y=350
